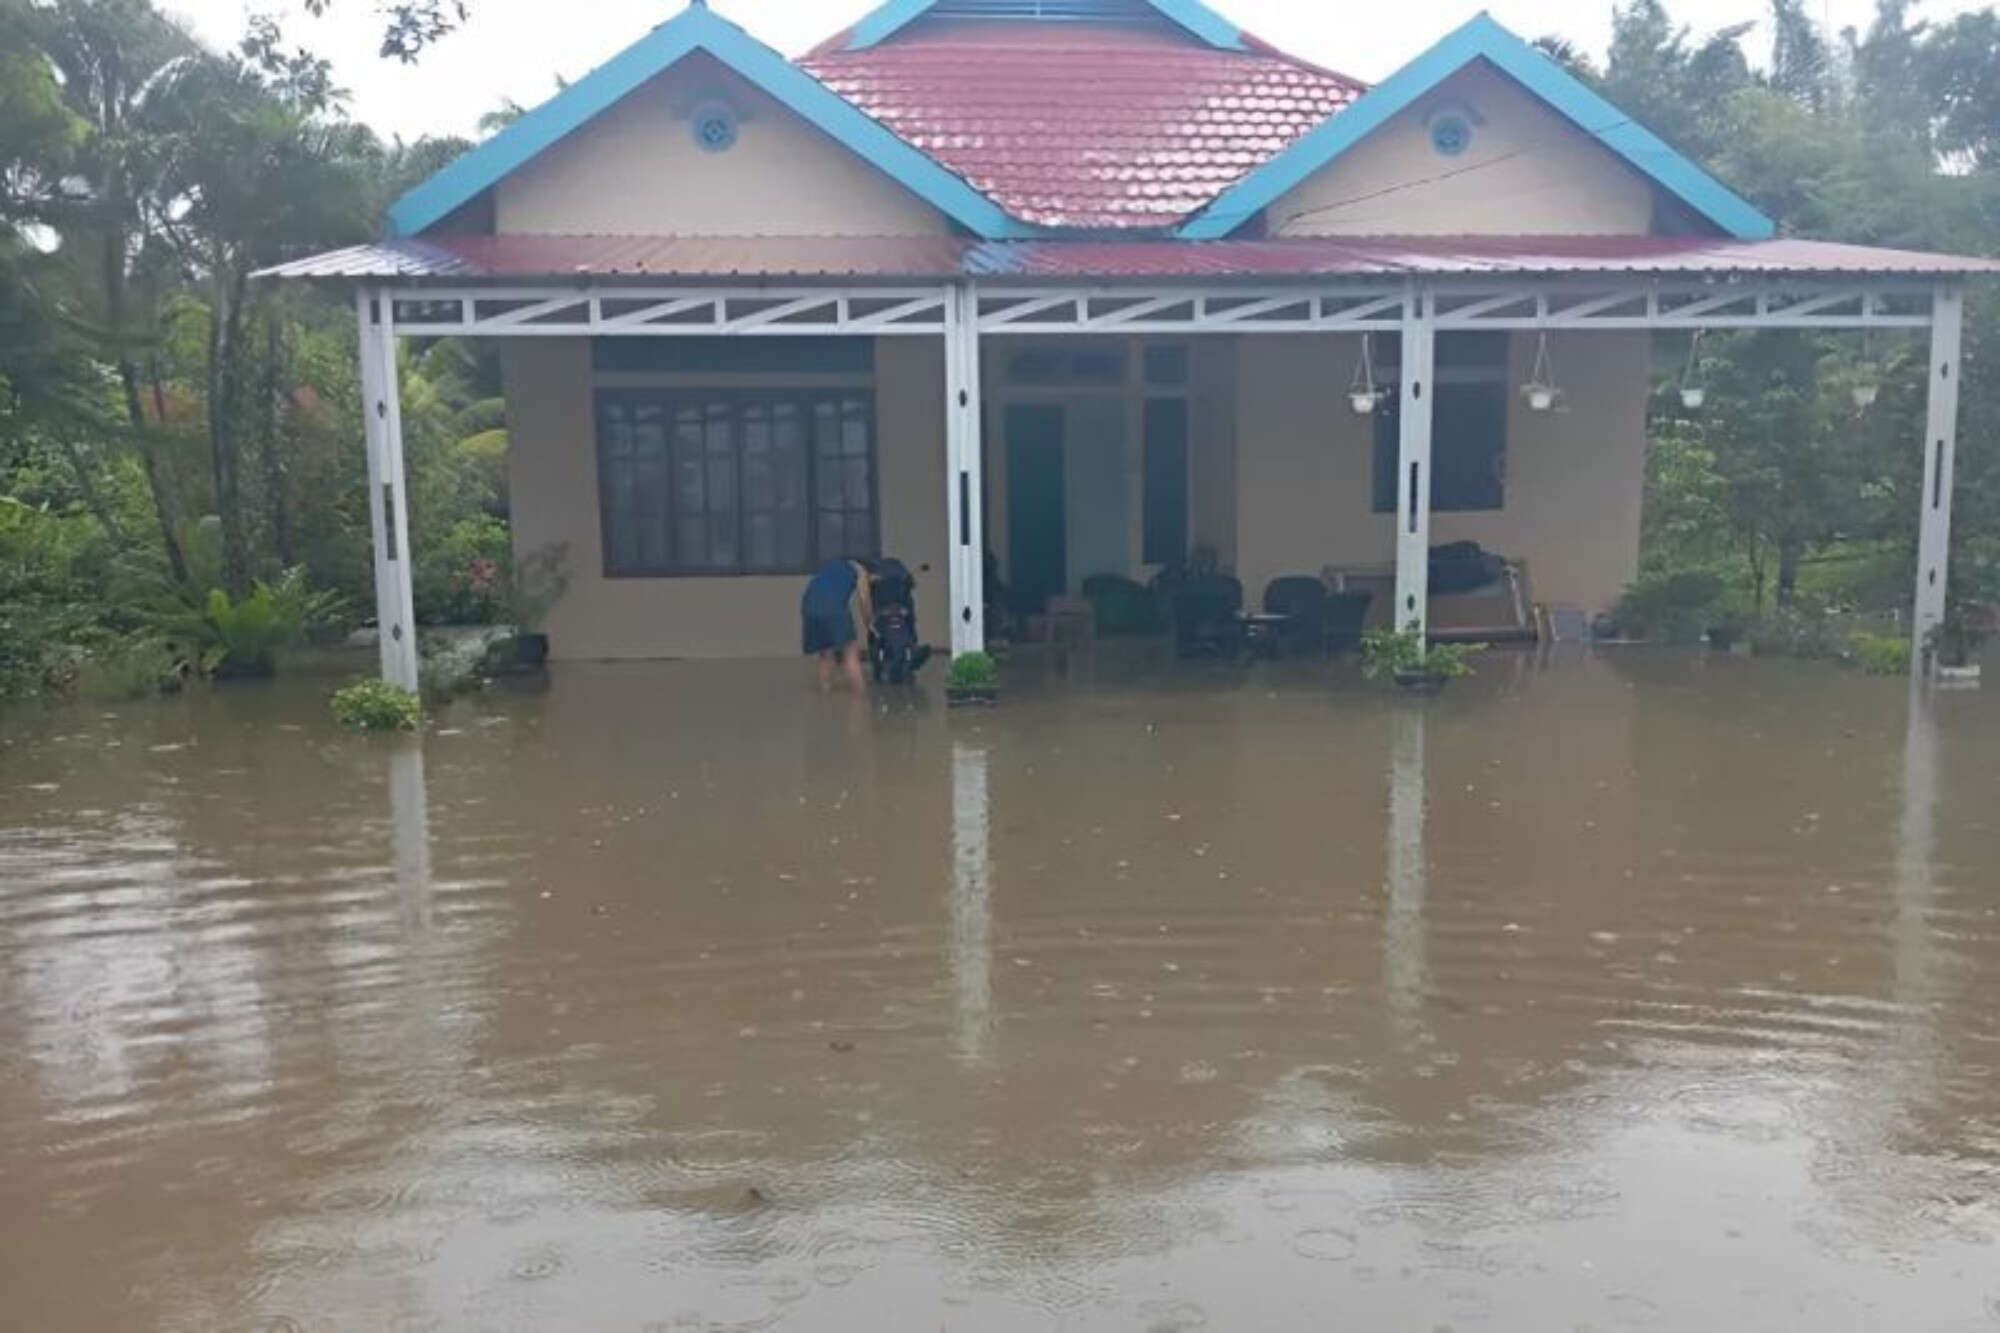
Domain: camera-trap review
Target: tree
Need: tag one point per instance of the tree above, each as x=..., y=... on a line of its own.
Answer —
x=112, y=56
x=252, y=168
x=411, y=25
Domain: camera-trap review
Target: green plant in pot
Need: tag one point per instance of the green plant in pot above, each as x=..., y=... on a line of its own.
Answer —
x=1954, y=645
x=1415, y=665
x=973, y=678
x=535, y=585
x=376, y=705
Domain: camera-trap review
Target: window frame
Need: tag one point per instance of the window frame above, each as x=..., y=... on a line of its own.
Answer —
x=671, y=400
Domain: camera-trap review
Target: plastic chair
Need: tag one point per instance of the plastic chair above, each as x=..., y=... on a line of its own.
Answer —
x=1302, y=600
x=1207, y=616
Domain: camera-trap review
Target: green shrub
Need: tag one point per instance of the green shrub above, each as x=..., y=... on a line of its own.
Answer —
x=1390, y=652
x=50, y=586
x=1800, y=631
x=141, y=667
x=1880, y=654
x=243, y=636
x=1677, y=607
x=376, y=705
x=461, y=578
x=972, y=671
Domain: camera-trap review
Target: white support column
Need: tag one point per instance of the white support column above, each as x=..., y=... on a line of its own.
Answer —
x=1940, y=456
x=1413, y=474
x=388, y=499
x=964, y=471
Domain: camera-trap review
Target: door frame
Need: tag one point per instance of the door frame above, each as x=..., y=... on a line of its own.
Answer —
x=998, y=394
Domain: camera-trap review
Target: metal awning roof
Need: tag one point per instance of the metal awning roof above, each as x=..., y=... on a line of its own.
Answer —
x=517, y=258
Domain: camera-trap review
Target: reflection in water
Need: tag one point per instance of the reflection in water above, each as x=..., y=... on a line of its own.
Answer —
x=1914, y=951
x=1405, y=975
x=971, y=946
x=670, y=998
x=410, y=818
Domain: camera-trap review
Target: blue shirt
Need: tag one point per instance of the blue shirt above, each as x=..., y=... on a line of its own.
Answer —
x=831, y=588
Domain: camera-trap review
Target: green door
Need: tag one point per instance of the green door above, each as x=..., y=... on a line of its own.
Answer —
x=1037, y=547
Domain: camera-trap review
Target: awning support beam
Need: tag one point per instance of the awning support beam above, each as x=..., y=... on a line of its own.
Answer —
x=1413, y=471
x=965, y=484
x=388, y=492
x=1940, y=459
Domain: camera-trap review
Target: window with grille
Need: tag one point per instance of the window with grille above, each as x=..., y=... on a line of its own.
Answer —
x=725, y=482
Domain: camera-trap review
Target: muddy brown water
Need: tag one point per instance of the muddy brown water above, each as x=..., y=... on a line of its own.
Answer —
x=1641, y=991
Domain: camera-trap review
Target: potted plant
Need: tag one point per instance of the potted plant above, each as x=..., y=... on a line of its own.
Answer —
x=972, y=679
x=1416, y=666
x=1954, y=645
x=537, y=584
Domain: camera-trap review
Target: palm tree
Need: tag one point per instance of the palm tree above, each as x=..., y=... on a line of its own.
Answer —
x=113, y=56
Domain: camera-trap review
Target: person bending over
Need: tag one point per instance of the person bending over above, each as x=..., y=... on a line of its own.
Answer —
x=836, y=615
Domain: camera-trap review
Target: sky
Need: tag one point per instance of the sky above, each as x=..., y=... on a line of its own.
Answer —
x=516, y=49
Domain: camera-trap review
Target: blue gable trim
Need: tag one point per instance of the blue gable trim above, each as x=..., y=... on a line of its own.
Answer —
x=699, y=29
x=1196, y=17
x=1483, y=39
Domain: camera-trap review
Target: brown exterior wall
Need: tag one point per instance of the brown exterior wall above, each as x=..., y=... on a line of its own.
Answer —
x=553, y=478
x=1575, y=478
x=1281, y=484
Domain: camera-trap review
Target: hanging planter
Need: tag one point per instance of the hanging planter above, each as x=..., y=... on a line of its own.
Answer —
x=1364, y=395
x=1540, y=390
x=1867, y=386
x=1693, y=392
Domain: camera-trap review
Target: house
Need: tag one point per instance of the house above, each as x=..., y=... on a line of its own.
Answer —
x=1088, y=286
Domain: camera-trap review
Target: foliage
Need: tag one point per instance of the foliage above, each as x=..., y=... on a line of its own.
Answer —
x=49, y=561
x=1880, y=654
x=376, y=705
x=1804, y=629
x=1677, y=606
x=460, y=578
x=1405, y=652
x=410, y=26
x=1966, y=627
x=1780, y=484
x=242, y=636
x=973, y=671
x=175, y=427
x=139, y=666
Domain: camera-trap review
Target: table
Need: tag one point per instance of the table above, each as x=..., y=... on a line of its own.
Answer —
x=1260, y=632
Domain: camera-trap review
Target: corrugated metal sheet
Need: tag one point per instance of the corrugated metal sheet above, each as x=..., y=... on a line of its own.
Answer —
x=639, y=258
x=1095, y=125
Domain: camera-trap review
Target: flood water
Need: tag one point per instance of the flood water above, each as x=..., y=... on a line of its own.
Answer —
x=1640, y=991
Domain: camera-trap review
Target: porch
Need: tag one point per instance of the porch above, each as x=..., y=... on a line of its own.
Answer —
x=1059, y=406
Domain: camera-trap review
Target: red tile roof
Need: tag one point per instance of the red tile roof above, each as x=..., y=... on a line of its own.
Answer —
x=1086, y=124
x=940, y=258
